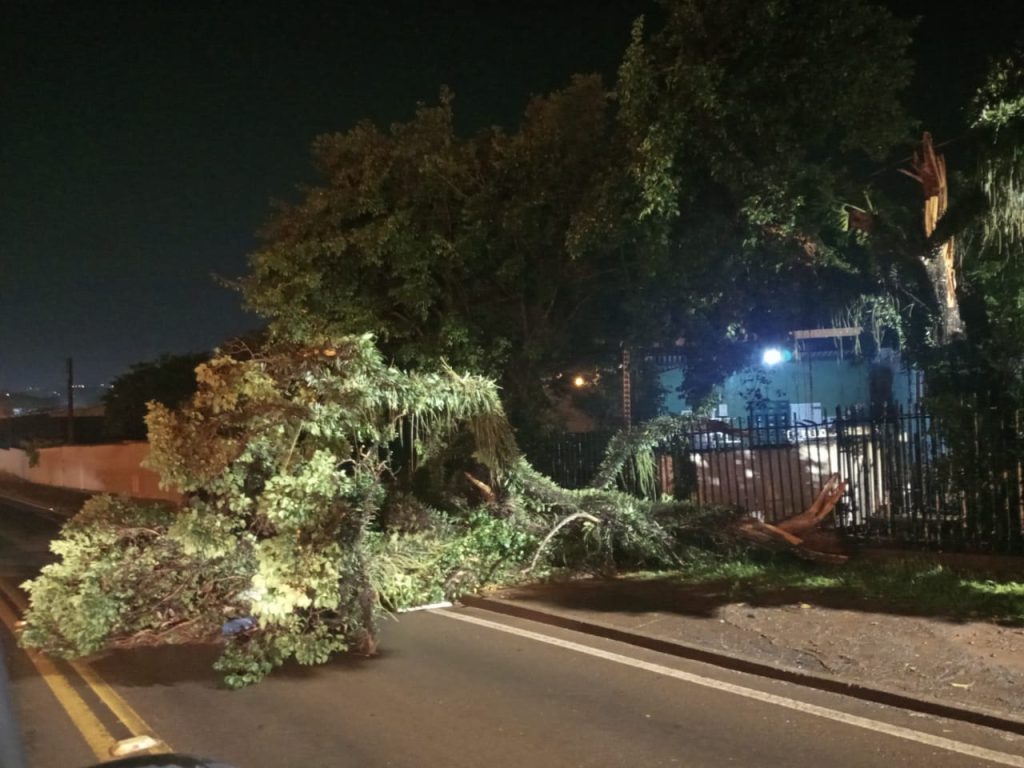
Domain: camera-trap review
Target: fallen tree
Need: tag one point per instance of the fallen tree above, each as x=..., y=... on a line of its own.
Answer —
x=289, y=542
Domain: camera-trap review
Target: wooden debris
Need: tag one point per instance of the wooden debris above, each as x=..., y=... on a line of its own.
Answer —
x=488, y=493
x=800, y=533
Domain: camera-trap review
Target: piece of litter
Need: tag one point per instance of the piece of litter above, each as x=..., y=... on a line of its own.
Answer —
x=426, y=607
x=133, y=745
x=961, y=685
x=238, y=626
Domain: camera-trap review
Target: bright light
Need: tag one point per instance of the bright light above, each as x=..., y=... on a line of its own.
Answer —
x=579, y=381
x=772, y=356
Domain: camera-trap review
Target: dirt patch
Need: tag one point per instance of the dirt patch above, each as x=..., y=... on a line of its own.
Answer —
x=971, y=664
x=975, y=664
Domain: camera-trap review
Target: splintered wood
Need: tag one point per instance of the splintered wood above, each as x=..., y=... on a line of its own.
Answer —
x=929, y=170
x=801, y=533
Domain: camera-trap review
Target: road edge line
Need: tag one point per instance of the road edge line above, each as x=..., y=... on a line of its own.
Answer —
x=751, y=667
x=815, y=710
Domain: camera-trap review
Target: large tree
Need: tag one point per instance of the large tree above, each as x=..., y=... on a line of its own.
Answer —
x=282, y=459
x=501, y=253
x=696, y=202
x=169, y=380
x=286, y=460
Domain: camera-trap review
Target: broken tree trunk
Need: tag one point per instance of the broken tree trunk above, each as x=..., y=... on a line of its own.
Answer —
x=799, y=534
x=929, y=170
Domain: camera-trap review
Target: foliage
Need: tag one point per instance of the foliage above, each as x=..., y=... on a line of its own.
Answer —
x=282, y=458
x=120, y=575
x=882, y=318
x=745, y=153
x=720, y=103
x=696, y=203
x=993, y=267
x=629, y=459
x=920, y=584
x=481, y=251
x=453, y=558
x=169, y=380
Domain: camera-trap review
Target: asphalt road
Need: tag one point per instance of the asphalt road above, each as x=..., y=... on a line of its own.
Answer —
x=462, y=687
x=25, y=535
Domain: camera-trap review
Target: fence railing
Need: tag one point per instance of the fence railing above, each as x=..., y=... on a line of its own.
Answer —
x=914, y=478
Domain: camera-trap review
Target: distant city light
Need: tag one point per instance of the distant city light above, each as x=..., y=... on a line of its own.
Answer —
x=579, y=381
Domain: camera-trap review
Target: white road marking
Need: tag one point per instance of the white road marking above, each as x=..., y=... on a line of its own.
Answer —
x=427, y=607
x=1002, y=758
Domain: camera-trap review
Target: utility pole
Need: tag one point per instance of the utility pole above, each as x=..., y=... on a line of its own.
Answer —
x=71, y=402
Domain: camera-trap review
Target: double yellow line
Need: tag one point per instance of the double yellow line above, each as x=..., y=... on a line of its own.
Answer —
x=96, y=735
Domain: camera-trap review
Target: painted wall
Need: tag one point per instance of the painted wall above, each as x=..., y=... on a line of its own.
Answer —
x=826, y=383
x=114, y=468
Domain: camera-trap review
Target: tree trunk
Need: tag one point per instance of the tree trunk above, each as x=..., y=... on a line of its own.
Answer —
x=929, y=170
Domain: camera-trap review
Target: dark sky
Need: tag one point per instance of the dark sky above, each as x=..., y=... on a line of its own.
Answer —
x=141, y=142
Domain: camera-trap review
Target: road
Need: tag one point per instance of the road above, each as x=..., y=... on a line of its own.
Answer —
x=461, y=687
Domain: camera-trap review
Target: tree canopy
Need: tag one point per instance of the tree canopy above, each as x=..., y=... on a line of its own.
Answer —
x=751, y=128
x=169, y=380
x=693, y=203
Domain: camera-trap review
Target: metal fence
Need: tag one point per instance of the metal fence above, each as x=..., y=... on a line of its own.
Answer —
x=953, y=482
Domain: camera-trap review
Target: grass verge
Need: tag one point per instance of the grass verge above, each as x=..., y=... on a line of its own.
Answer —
x=911, y=584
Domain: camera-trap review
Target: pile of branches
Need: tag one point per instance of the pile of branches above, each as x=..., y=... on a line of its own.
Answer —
x=285, y=546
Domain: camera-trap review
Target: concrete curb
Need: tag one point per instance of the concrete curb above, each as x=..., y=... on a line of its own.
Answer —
x=741, y=664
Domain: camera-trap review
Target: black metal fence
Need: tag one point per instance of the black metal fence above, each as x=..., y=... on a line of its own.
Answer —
x=950, y=482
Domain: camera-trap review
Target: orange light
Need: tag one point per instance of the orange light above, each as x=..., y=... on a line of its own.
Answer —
x=579, y=381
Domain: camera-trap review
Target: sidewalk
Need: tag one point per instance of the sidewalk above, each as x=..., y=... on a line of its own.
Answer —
x=970, y=670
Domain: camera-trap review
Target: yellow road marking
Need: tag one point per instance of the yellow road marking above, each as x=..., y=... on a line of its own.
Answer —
x=93, y=731
x=121, y=709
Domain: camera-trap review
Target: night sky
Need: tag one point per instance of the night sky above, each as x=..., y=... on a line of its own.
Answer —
x=141, y=142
